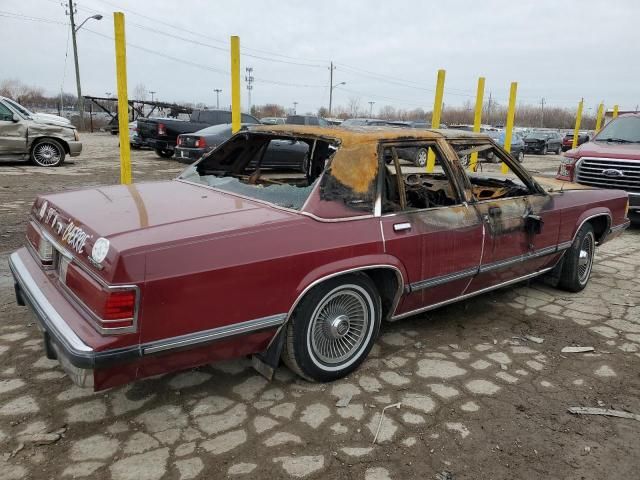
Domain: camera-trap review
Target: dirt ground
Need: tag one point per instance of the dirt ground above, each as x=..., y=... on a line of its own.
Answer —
x=477, y=399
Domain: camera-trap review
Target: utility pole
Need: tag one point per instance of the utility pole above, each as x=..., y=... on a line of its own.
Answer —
x=332, y=86
x=489, y=110
x=217, y=90
x=152, y=92
x=295, y=107
x=542, y=116
x=371, y=103
x=74, y=30
x=331, y=68
x=249, y=79
x=71, y=13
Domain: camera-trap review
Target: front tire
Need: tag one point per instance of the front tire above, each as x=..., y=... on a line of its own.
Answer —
x=520, y=156
x=47, y=153
x=578, y=261
x=544, y=150
x=164, y=152
x=559, y=150
x=333, y=328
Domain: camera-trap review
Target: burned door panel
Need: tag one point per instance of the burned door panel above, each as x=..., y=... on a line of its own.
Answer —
x=521, y=238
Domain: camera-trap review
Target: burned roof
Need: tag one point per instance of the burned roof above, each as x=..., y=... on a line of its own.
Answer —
x=358, y=135
x=355, y=164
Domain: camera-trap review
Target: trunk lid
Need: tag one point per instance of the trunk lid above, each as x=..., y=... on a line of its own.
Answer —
x=147, y=215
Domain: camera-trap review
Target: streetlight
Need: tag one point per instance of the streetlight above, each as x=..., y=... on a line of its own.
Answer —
x=94, y=17
x=74, y=30
x=331, y=94
x=152, y=92
x=371, y=108
x=295, y=107
x=217, y=90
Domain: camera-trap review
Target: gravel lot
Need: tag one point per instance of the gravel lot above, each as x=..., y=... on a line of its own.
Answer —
x=478, y=400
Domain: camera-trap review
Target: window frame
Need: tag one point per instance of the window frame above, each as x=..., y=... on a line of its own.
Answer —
x=525, y=177
x=452, y=176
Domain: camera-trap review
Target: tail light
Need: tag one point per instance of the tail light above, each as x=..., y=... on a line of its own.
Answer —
x=113, y=309
x=162, y=129
x=201, y=142
x=42, y=247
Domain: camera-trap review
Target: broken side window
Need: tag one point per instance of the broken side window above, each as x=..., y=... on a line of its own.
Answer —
x=488, y=181
x=407, y=184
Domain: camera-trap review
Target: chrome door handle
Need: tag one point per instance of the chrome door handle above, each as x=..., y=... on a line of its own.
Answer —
x=399, y=227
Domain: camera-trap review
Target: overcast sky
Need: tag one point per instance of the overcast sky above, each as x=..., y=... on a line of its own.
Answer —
x=386, y=51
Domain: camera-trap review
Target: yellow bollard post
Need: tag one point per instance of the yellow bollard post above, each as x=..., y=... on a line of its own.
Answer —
x=511, y=113
x=123, y=104
x=615, y=111
x=235, y=84
x=477, y=121
x=435, y=117
x=576, y=130
x=599, y=117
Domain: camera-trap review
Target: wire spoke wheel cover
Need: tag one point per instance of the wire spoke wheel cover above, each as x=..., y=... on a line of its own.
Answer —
x=585, y=258
x=46, y=154
x=340, y=327
x=421, y=157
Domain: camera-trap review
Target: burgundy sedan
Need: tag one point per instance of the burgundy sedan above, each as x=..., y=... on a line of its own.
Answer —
x=231, y=260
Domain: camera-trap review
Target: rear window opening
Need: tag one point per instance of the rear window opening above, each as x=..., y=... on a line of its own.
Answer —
x=276, y=169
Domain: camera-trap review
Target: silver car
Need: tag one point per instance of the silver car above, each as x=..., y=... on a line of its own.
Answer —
x=43, y=139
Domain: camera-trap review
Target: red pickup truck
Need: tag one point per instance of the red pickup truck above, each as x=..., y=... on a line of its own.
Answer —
x=229, y=259
x=610, y=160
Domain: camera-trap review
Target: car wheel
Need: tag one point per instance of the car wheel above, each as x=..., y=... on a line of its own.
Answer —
x=559, y=150
x=420, y=160
x=578, y=260
x=333, y=328
x=304, y=166
x=47, y=153
x=520, y=156
x=164, y=152
x=544, y=150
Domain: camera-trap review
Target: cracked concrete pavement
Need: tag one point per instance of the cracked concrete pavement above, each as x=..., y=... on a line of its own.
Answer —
x=478, y=399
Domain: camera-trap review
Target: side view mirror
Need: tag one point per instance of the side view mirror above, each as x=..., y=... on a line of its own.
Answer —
x=15, y=118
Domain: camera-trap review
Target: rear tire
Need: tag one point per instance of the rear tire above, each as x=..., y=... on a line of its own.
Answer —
x=333, y=328
x=520, y=156
x=164, y=152
x=578, y=261
x=544, y=150
x=559, y=150
x=47, y=152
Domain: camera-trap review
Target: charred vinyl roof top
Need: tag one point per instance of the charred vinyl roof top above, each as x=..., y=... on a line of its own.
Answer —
x=355, y=164
x=356, y=135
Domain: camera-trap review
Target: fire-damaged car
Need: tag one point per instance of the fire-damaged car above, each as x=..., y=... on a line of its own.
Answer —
x=230, y=260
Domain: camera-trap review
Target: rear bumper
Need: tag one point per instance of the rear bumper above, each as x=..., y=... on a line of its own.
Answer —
x=159, y=144
x=75, y=148
x=72, y=352
x=188, y=155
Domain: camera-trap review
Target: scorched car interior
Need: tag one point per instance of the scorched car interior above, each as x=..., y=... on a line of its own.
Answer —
x=231, y=259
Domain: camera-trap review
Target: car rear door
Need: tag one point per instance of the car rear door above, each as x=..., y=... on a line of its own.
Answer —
x=13, y=135
x=439, y=240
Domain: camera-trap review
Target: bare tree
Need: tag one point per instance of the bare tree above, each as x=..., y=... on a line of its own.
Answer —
x=140, y=92
x=354, y=106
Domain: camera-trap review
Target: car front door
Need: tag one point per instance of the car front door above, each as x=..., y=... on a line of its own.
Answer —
x=428, y=225
x=521, y=223
x=13, y=135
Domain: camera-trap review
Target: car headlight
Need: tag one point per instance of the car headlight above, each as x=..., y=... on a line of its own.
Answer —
x=75, y=135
